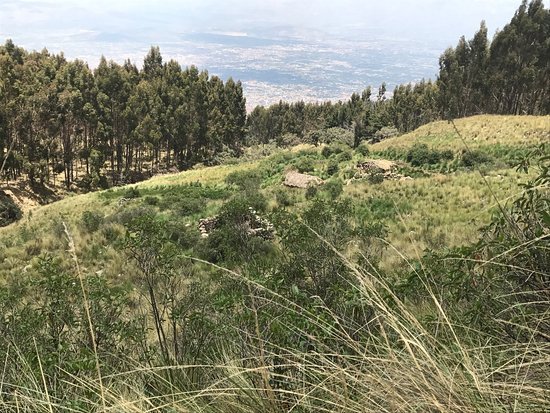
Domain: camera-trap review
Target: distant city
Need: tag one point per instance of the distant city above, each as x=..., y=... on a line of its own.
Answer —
x=273, y=69
x=280, y=50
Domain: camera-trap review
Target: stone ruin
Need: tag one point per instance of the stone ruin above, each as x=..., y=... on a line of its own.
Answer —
x=388, y=169
x=254, y=225
x=207, y=225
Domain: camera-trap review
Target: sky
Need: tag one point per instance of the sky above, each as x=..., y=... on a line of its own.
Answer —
x=39, y=23
x=264, y=42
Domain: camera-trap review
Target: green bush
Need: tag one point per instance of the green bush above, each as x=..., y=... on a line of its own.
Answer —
x=472, y=158
x=127, y=215
x=447, y=155
x=332, y=135
x=311, y=192
x=332, y=167
x=245, y=180
x=190, y=206
x=420, y=155
x=382, y=208
x=91, y=182
x=326, y=152
x=333, y=149
x=375, y=177
x=334, y=188
x=112, y=233
x=385, y=133
x=230, y=241
x=151, y=200
x=304, y=164
x=131, y=193
x=363, y=149
x=283, y=197
x=344, y=156
x=91, y=221
x=288, y=140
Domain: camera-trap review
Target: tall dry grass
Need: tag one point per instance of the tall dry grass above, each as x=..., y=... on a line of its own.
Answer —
x=403, y=366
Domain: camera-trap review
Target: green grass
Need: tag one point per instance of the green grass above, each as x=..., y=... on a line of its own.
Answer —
x=404, y=367
x=410, y=355
x=478, y=131
x=436, y=210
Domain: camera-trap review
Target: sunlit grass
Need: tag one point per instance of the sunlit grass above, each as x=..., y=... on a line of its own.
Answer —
x=443, y=210
x=477, y=131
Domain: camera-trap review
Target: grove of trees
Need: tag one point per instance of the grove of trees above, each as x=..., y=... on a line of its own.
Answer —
x=59, y=116
x=118, y=124
x=510, y=75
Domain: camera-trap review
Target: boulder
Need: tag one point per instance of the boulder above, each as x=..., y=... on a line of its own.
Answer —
x=295, y=179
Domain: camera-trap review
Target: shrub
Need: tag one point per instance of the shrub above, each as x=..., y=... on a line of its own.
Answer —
x=472, y=158
x=420, y=155
x=311, y=192
x=245, y=180
x=380, y=208
x=333, y=149
x=375, y=177
x=304, y=164
x=344, y=156
x=190, y=206
x=151, y=200
x=226, y=156
x=311, y=262
x=332, y=167
x=85, y=183
x=289, y=139
x=447, y=155
x=385, y=133
x=183, y=235
x=231, y=241
x=334, y=187
x=127, y=215
x=326, y=151
x=363, y=149
x=112, y=233
x=131, y=193
x=283, y=197
x=91, y=221
x=332, y=135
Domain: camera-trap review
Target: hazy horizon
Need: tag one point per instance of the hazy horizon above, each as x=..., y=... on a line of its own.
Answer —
x=279, y=49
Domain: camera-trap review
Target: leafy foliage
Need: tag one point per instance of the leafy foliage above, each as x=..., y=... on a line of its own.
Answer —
x=420, y=155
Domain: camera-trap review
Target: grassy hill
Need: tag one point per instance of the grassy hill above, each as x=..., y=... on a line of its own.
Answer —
x=444, y=204
x=313, y=299
x=477, y=131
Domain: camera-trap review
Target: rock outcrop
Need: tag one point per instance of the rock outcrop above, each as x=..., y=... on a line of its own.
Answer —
x=295, y=179
x=387, y=169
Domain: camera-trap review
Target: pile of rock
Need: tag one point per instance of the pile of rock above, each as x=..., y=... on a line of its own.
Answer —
x=385, y=168
x=253, y=224
x=259, y=226
x=295, y=179
x=207, y=225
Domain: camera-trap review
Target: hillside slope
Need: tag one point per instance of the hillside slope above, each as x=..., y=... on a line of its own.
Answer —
x=481, y=130
x=438, y=205
x=199, y=274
